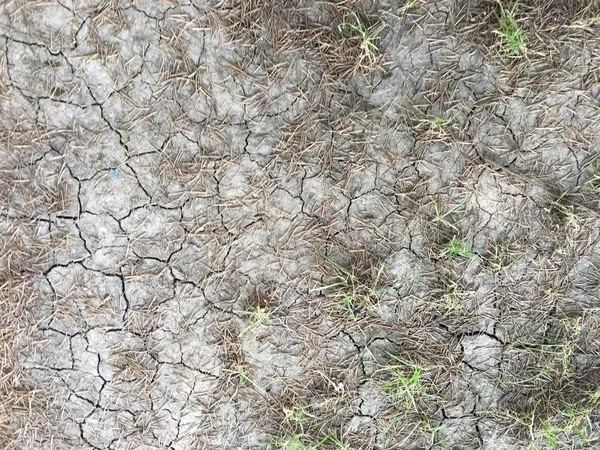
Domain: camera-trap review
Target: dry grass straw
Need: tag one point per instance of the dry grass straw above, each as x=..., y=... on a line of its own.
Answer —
x=25, y=197
x=551, y=385
x=21, y=403
x=539, y=30
x=333, y=37
x=317, y=47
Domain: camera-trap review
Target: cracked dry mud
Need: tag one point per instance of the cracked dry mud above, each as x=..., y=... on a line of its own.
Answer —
x=181, y=180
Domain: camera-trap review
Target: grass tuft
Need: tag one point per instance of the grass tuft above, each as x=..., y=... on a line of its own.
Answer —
x=514, y=39
x=405, y=382
x=456, y=247
x=366, y=38
x=355, y=288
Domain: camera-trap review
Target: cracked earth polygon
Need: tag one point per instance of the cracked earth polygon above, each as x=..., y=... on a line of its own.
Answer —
x=298, y=224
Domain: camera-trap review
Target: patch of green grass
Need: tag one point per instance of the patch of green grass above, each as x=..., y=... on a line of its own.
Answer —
x=367, y=38
x=569, y=423
x=405, y=383
x=514, y=39
x=352, y=289
x=456, y=247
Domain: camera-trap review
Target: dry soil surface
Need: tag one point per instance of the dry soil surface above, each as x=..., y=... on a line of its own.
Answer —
x=297, y=224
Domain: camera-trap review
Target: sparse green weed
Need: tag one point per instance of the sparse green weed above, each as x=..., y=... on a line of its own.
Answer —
x=554, y=358
x=501, y=256
x=452, y=300
x=258, y=310
x=444, y=217
x=437, y=126
x=258, y=316
x=352, y=289
x=569, y=423
x=432, y=427
x=235, y=366
x=404, y=8
x=566, y=210
x=354, y=28
x=514, y=39
x=449, y=300
x=595, y=171
x=296, y=416
x=405, y=384
x=456, y=247
x=133, y=366
x=302, y=442
x=585, y=24
x=561, y=397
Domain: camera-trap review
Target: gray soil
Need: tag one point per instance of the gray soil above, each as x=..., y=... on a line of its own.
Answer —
x=223, y=229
